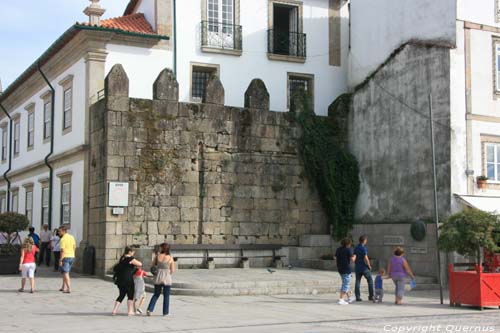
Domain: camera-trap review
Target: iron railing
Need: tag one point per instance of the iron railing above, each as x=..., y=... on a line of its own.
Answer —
x=221, y=35
x=286, y=43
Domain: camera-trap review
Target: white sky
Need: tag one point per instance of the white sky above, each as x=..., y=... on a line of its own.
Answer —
x=29, y=27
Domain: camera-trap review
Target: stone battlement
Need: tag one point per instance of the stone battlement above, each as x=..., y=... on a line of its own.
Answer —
x=198, y=173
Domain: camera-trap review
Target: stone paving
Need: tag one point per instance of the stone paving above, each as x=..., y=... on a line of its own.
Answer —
x=88, y=308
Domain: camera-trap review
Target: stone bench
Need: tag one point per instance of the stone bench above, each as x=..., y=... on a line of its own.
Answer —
x=209, y=257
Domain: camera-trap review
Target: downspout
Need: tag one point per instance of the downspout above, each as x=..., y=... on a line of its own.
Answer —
x=51, y=170
x=175, y=37
x=7, y=180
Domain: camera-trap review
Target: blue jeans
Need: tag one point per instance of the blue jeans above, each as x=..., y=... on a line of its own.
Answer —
x=67, y=263
x=368, y=276
x=156, y=295
x=346, y=281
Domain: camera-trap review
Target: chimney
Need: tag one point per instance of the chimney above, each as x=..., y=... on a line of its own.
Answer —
x=94, y=12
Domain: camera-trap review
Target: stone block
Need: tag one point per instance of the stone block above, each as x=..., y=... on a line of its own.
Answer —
x=188, y=201
x=316, y=240
x=257, y=96
x=245, y=264
x=152, y=214
x=152, y=228
x=214, y=91
x=116, y=82
x=189, y=214
x=116, y=161
x=169, y=214
x=166, y=86
x=117, y=103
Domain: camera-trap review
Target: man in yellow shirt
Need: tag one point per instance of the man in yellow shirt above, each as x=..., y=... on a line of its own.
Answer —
x=68, y=246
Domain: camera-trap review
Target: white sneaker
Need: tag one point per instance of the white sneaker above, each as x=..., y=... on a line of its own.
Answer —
x=352, y=299
x=342, y=302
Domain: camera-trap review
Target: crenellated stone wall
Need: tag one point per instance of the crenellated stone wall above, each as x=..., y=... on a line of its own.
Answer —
x=198, y=173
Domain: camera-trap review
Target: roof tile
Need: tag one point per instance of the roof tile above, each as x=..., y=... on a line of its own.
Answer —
x=132, y=23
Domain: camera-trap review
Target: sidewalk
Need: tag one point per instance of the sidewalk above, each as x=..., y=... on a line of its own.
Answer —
x=88, y=308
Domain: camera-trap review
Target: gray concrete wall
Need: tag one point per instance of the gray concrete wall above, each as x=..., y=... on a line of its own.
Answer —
x=392, y=145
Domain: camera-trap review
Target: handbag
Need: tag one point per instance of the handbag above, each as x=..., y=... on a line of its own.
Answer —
x=154, y=267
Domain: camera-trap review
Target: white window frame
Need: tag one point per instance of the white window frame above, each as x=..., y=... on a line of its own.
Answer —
x=17, y=136
x=45, y=204
x=15, y=201
x=67, y=108
x=5, y=139
x=497, y=67
x=3, y=203
x=65, y=201
x=28, y=204
x=495, y=162
x=47, y=109
x=31, y=129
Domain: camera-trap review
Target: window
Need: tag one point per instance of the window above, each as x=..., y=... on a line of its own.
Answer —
x=199, y=79
x=15, y=201
x=45, y=205
x=220, y=27
x=66, y=202
x=68, y=105
x=31, y=129
x=3, y=204
x=296, y=80
x=28, y=204
x=5, y=138
x=47, y=106
x=493, y=161
x=17, y=131
x=286, y=40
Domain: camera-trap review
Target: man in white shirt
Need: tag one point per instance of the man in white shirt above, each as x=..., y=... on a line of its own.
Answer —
x=45, y=235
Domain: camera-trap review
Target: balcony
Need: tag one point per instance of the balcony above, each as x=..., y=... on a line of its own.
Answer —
x=217, y=37
x=286, y=45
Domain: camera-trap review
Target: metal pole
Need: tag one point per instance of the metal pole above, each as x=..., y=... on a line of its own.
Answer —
x=436, y=214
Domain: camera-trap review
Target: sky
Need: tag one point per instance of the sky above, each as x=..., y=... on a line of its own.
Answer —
x=29, y=27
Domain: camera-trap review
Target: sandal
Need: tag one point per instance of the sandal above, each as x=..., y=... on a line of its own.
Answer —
x=67, y=292
x=21, y=290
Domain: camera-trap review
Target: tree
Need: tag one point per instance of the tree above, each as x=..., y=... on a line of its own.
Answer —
x=12, y=223
x=468, y=232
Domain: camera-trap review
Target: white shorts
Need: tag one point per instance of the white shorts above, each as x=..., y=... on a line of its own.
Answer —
x=139, y=288
x=28, y=270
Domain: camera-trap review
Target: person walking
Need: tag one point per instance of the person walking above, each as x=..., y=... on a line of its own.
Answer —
x=397, y=270
x=124, y=279
x=344, y=256
x=56, y=249
x=362, y=268
x=34, y=236
x=67, y=246
x=27, y=263
x=45, y=235
x=163, y=279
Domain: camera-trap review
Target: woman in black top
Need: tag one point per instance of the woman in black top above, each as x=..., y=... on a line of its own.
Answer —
x=124, y=279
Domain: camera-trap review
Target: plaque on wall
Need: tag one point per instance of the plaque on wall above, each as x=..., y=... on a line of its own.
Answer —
x=394, y=240
x=118, y=194
x=418, y=250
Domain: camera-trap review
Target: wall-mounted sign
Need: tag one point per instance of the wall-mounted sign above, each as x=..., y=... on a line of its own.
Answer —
x=118, y=194
x=394, y=240
x=418, y=250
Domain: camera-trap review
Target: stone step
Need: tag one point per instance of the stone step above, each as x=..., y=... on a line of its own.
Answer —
x=316, y=240
x=324, y=265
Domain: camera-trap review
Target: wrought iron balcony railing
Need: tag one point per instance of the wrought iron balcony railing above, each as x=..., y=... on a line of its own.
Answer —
x=286, y=43
x=221, y=35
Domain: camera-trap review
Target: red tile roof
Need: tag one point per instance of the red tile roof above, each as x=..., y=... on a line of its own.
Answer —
x=132, y=23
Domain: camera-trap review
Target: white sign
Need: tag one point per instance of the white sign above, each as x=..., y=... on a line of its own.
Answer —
x=118, y=194
x=394, y=240
x=418, y=250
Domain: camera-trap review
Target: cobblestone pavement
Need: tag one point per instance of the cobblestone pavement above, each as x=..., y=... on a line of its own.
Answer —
x=88, y=308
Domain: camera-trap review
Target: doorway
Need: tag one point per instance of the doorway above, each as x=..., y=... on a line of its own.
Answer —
x=286, y=28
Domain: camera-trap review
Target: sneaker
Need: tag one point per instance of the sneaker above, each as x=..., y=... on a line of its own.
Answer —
x=359, y=300
x=342, y=302
x=352, y=299
x=148, y=313
x=139, y=311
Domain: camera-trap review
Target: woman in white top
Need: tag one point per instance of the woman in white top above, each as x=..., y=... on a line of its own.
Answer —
x=56, y=248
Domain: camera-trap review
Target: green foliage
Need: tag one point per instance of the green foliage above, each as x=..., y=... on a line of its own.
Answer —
x=11, y=223
x=330, y=168
x=469, y=231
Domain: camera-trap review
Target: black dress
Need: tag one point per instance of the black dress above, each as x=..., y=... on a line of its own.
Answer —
x=125, y=279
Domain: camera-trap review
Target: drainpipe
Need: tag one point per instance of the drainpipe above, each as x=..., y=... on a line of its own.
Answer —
x=175, y=37
x=7, y=180
x=51, y=170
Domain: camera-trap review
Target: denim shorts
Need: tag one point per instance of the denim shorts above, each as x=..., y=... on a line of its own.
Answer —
x=67, y=263
x=346, y=281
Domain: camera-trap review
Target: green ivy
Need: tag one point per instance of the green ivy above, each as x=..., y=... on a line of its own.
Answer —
x=330, y=168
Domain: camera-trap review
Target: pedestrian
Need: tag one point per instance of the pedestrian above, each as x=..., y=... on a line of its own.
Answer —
x=67, y=246
x=165, y=267
x=379, y=286
x=27, y=263
x=397, y=269
x=35, y=237
x=344, y=256
x=124, y=279
x=362, y=268
x=139, y=289
x=56, y=249
x=45, y=235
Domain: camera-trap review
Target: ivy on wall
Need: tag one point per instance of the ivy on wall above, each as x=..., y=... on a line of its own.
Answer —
x=330, y=168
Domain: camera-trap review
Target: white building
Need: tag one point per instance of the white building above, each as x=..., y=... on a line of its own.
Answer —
x=283, y=42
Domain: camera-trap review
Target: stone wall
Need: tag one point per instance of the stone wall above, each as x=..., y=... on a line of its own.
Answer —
x=389, y=134
x=198, y=173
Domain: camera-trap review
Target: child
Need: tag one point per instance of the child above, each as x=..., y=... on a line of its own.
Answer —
x=344, y=257
x=379, y=286
x=139, y=289
x=27, y=264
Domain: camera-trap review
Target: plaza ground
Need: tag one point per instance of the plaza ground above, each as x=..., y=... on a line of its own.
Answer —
x=88, y=308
